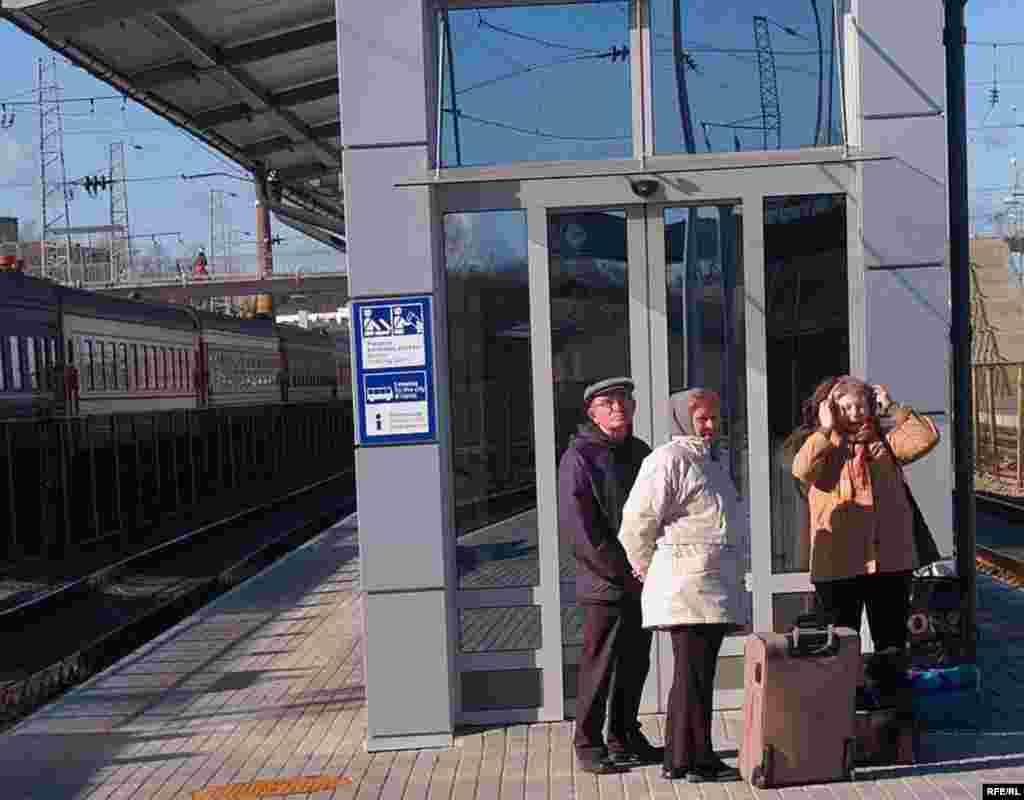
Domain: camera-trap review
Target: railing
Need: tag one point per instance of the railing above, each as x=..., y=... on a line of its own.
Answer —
x=998, y=391
x=68, y=484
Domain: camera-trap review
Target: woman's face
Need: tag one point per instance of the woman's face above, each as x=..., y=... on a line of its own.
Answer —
x=853, y=410
x=705, y=421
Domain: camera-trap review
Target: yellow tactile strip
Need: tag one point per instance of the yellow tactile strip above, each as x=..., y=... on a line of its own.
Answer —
x=282, y=788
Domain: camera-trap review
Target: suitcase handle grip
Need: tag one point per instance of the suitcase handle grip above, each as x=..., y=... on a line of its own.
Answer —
x=812, y=645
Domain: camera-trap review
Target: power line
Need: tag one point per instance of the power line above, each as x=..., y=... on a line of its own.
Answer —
x=537, y=132
x=615, y=53
x=483, y=23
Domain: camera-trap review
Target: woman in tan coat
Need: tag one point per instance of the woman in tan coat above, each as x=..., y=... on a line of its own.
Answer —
x=862, y=541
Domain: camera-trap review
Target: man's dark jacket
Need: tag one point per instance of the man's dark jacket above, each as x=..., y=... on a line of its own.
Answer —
x=594, y=479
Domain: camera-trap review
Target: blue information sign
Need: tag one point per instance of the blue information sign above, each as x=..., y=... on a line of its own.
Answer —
x=393, y=348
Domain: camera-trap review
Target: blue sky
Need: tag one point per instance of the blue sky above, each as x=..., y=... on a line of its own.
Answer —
x=991, y=147
x=154, y=149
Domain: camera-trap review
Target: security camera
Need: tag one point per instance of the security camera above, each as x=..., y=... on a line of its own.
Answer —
x=644, y=188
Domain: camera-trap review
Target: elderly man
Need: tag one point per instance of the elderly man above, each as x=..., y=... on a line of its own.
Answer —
x=594, y=478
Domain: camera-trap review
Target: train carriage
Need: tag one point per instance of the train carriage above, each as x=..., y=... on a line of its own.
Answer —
x=129, y=355
x=29, y=345
x=242, y=357
x=309, y=364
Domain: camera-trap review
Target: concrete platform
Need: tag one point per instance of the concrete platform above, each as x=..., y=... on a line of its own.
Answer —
x=265, y=687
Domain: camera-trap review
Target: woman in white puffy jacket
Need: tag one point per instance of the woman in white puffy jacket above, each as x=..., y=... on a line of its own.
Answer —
x=683, y=531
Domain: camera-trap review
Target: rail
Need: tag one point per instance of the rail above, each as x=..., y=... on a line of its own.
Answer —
x=84, y=489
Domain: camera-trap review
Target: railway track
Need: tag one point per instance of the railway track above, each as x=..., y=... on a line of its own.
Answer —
x=996, y=557
x=57, y=638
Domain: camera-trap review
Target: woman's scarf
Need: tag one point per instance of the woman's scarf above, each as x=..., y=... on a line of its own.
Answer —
x=681, y=420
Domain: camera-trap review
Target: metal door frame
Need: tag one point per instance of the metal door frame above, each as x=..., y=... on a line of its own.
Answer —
x=747, y=187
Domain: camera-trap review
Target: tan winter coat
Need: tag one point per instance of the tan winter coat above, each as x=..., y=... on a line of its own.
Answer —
x=862, y=531
x=683, y=523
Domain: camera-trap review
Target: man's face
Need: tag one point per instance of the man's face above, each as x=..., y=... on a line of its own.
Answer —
x=705, y=421
x=613, y=412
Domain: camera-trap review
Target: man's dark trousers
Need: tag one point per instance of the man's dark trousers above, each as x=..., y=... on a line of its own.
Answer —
x=615, y=660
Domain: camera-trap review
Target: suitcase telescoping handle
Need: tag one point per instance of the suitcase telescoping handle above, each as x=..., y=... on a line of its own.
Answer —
x=813, y=642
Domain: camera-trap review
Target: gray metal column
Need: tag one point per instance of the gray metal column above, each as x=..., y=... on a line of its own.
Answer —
x=383, y=58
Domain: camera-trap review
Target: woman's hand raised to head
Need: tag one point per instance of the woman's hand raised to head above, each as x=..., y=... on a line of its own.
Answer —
x=882, y=398
x=826, y=415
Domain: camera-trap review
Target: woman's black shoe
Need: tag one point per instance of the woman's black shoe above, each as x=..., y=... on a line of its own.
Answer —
x=712, y=773
x=673, y=774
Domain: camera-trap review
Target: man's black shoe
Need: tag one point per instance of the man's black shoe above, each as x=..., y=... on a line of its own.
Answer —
x=639, y=752
x=604, y=766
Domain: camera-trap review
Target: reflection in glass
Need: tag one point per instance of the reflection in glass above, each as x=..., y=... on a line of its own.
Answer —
x=493, y=461
x=744, y=75
x=587, y=257
x=535, y=83
x=706, y=324
x=807, y=331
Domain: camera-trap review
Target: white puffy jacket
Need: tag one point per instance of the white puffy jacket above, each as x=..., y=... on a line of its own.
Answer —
x=684, y=523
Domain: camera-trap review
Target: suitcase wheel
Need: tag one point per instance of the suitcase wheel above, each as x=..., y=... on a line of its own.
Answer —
x=850, y=760
x=761, y=775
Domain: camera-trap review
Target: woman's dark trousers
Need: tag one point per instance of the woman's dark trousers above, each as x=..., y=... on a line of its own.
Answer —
x=887, y=597
x=614, y=663
x=688, y=722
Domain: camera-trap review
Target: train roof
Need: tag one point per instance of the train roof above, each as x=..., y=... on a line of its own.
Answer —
x=94, y=304
x=210, y=321
x=310, y=336
x=20, y=290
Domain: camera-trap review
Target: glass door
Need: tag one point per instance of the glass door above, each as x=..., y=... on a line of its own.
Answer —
x=654, y=292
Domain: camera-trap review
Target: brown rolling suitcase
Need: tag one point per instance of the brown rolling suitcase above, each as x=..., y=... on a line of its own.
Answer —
x=798, y=707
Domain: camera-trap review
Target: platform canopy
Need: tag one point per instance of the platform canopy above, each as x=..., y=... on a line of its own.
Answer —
x=257, y=81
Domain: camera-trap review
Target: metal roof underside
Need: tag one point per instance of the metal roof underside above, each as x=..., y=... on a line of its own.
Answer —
x=255, y=79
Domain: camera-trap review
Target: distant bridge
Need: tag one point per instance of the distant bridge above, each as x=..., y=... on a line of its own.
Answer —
x=178, y=289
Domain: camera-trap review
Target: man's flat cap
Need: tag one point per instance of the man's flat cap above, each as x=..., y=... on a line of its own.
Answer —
x=606, y=386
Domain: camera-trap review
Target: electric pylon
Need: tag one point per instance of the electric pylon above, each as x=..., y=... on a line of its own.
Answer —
x=771, y=115
x=54, y=256
x=120, y=234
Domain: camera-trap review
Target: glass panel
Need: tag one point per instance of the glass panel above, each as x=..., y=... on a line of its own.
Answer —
x=507, y=688
x=589, y=287
x=706, y=325
x=492, y=630
x=111, y=363
x=517, y=74
x=807, y=330
x=491, y=399
x=787, y=606
x=726, y=77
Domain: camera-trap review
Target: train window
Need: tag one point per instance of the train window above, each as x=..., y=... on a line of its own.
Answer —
x=15, y=364
x=71, y=351
x=110, y=362
x=88, y=368
x=132, y=370
x=172, y=371
x=53, y=353
x=30, y=358
x=122, y=366
x=177, y=354
x=158, y=361
x=168, y=369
